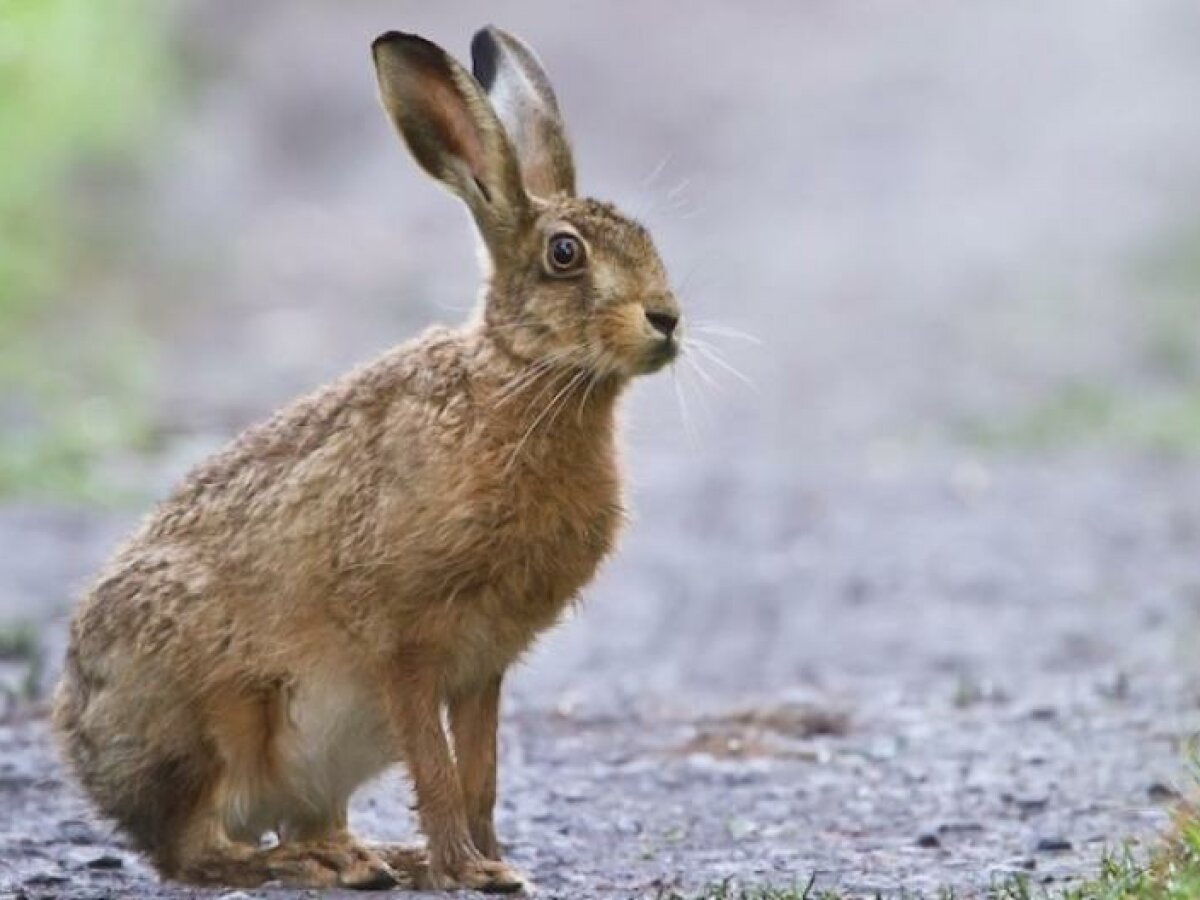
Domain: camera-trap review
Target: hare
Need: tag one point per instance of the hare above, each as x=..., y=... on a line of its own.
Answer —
x=312, y=599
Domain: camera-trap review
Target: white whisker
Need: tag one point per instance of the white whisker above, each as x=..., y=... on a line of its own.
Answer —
x=689, y=428
x=709, y=352
x=573, y=380
x=690, y=358
x=657, y=171
x=711, y=328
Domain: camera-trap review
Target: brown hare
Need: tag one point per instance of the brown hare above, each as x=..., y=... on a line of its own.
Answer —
x=304, y=608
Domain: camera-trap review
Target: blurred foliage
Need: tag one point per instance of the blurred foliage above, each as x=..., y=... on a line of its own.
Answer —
x=80, y=82
x=1172, y=277
x=1157, y=419
x=1158, y=412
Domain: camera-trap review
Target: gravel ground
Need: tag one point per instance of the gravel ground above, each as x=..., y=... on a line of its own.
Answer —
x=893, y=682
x=838, y=639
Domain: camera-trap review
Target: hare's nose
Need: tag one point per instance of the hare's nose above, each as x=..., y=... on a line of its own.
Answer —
x=663, y=323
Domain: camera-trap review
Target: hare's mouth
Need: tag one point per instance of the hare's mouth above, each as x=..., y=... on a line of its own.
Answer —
x=660, y=355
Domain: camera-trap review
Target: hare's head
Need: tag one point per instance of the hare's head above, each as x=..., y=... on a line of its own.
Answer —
x=573, y=281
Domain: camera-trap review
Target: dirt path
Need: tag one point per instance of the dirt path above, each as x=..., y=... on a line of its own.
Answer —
x=856, y=687
x=839, y=639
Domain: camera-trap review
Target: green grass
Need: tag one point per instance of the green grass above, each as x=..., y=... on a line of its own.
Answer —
x=1163, y=420
x=80, y=82
x=1171, y=872
x=1156, y=406
x=19, y=644
x=1155, y=411
x=1171, y=278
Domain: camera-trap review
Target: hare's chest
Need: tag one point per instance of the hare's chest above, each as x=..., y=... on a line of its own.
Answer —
x=540, y=536
x=536, y=564
x=548, y=539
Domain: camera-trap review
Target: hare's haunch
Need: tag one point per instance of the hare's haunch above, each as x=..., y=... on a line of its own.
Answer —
x=304, y=609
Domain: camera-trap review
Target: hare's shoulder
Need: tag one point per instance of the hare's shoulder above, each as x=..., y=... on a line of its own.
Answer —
x=336, y=426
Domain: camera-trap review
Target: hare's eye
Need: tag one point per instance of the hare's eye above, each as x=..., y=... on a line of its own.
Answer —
x=565, y=253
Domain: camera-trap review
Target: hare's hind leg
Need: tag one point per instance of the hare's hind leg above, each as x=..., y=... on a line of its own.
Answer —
x=254, y=791
x=206, y=854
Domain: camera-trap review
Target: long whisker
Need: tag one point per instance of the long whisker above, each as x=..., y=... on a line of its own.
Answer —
x=708, y=351
x=704, y=380
x=525, y=378
x=574, y=379
x=689, y=428
x=579, y=379
x=675, y=192
x=528, y=376
x=713, y=328
x=703, y=373
x=658, y=170
x=583, y=398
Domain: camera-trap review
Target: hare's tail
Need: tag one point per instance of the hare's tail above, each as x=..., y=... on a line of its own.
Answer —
x=150, y=791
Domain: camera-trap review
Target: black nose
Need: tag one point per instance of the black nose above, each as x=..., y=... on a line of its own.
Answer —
x=663, y=323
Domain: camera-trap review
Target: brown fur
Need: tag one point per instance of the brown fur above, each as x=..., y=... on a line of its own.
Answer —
x=299, y=614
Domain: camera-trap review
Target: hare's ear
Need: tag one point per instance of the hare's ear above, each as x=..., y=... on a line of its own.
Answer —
x=452, y=130
x=522, y=96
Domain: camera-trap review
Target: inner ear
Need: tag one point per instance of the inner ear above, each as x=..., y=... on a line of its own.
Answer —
x=523, y=98
x=452, y=131
x=444, y=111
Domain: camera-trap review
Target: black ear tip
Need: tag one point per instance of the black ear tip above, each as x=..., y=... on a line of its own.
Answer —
x=399, y=40
x=388, y=37
x=485, y=56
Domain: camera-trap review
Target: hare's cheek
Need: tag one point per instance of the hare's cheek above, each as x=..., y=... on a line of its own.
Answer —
x=623, y=334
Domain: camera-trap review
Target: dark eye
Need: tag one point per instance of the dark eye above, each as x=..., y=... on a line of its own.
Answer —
x=565, y=252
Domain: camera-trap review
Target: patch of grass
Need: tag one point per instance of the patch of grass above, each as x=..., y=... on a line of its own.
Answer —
x=79, y=84
x=77, y=415
x=1157, y=408
x=1172, y=872
x=1171, y=278
x=18, y=642
x=1165, y=420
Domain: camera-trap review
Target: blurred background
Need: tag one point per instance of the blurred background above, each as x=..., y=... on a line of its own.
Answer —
x=956, y=233
x=943, y=440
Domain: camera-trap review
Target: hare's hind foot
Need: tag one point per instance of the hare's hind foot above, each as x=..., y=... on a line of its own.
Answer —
x=408, y=861
x=302, y=864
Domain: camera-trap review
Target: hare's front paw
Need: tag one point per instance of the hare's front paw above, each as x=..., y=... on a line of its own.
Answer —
x=485, y=875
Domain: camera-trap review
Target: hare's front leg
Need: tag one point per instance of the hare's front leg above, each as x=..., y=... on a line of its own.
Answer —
x=474, y=719
x=415, y=705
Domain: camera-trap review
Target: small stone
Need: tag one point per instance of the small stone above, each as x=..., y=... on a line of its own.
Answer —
x=1030, y=805
x=75, y=831
x=740, y=828
x=929, y=841
x=959, y=828
x=46, y=879
x=105, y=861
x=1116, y=687
x=1162, y=793
x=1052, y=844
